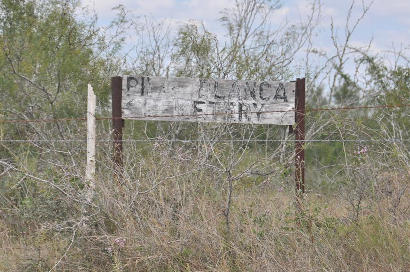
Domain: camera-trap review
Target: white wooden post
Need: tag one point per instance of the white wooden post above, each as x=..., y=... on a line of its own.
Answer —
x=90, y=170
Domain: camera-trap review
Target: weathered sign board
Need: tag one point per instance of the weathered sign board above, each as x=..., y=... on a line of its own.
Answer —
x=208, y=100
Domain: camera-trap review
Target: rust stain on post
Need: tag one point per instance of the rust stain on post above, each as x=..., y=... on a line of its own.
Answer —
x=117, y=124
x=300, y=136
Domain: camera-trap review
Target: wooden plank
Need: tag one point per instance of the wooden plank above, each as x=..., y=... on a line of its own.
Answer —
x=207, y=100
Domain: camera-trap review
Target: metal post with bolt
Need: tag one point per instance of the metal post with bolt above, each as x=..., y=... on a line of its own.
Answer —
x=117, y=125
x=300, y=136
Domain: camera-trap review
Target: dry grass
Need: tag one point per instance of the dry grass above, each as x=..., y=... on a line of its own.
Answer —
x=178, y=227
x=169, y=213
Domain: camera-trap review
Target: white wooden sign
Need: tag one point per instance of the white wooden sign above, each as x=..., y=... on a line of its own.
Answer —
x=207, y=100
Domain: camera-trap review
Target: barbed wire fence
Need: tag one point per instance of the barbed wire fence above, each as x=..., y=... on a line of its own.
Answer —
x=175, y=128
x=169, y=166
x=142, y=117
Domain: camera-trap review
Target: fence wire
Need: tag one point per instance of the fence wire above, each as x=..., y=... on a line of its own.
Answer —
x=220, y=140
x=146, y=117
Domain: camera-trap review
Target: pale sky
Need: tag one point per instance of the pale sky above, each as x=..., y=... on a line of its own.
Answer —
x=387, y=22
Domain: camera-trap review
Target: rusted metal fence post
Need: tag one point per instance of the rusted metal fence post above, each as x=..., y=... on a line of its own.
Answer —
x=300, y=136
x=117, y=125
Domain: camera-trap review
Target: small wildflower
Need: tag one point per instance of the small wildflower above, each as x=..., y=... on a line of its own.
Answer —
x=362, y=150
x=120, y=242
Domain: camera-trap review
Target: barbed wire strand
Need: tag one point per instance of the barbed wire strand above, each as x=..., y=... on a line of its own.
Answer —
x=221, y=140
x=142, y=117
